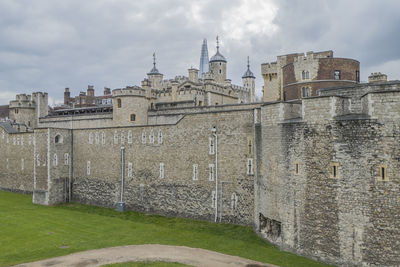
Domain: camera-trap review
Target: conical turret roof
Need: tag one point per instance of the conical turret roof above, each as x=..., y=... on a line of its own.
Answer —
x=218, y=56
x=248, y=73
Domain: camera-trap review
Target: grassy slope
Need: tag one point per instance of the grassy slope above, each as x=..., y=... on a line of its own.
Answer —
x=30, y=232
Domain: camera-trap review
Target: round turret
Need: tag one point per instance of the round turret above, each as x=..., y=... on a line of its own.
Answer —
x=130, y=106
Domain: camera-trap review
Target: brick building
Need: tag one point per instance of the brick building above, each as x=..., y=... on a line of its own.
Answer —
x=299, y=75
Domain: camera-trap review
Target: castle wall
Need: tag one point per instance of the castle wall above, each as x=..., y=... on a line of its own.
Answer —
x=16, y=161
x=52, y=154
x=78, y=121
x=346, y=220
x=183, y=146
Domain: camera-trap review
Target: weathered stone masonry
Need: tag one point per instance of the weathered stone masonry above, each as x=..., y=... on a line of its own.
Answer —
x=316, y=186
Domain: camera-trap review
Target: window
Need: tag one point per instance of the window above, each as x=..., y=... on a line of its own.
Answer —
x=195, y=172
x=211, y=146
x=307, y=75
x=103, y=138
x=88, y=167
x=133, y=117
x=160, y=137
x=249, y=146
x=334, y=170
x=357, y=76
x=233, y=201
x=122, y=138
x=161, y=171
x=96, y=138
x=119, y=103
x=55, y=160
x=90, y=138
x=296, y=168
x=303, y=75
x=220, y=71
x=213, y=199
x=337, y=75
x=383, y=176
x=151, y=137
x=130, y=137
x=250, y=166
x=66, y=159
x=129, y=169
x=143, y=137
x=115, y=138
x=211, y=172
x=305, y=91
x=22, y=164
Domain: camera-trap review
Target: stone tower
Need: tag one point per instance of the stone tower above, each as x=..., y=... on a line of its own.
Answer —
x=248, y=80
x=154, y=76
x=218, y=66
x=130, y=106
x=204, y=68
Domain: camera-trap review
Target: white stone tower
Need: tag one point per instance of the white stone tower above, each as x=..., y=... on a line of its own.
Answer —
x=204, y=68
x=154, y=76
x=248, y=80
x=218, y=66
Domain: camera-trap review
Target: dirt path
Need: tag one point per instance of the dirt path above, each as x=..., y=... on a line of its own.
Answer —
x=185, y=255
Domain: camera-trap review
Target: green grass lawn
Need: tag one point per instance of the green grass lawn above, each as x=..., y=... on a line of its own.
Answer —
x=31, y=232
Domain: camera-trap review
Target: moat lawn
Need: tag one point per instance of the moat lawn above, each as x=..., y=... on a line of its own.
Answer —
x=31, y=232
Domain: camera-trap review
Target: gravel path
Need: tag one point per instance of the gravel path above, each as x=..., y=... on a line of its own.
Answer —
x=185, y=255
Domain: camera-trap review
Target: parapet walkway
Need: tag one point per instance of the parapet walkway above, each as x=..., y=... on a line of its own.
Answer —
x=185, y=255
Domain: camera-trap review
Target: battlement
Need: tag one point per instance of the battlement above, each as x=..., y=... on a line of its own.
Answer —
x=129, y=91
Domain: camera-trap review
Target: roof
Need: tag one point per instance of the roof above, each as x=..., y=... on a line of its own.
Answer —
x=154, y=70
x=248, y=74
x=218, y=57
x=4, y=112
x=7, y=126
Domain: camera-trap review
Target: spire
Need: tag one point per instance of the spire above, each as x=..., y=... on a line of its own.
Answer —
x=218, y=56
x=248, y=73
x=154, y=70
x=203, y=59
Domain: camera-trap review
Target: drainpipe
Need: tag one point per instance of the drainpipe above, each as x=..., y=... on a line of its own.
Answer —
x=214, y=131
x=121, y=204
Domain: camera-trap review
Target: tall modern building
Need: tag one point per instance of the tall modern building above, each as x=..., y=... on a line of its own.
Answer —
x=203, y=59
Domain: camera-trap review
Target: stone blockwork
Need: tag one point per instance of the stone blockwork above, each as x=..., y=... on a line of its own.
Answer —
x=178, y=148
x=318, y=177
x=16, y=161
x=350, y=219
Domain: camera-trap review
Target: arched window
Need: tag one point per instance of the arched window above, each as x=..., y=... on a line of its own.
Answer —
x=233, y=201
x=307, y=75
x=303, y=75
x=58, y=139
x=119, y=103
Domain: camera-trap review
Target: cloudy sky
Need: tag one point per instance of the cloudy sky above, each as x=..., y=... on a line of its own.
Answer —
x=47, y=45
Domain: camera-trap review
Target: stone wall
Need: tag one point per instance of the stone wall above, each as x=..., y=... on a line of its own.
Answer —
x=16, y=161
x=347, y=220
x=182, y=147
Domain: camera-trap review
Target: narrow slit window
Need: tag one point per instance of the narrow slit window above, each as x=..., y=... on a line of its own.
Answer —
x=195, y=172
x=250, y=166
x=383, y=174
x=211, y=146
x=334, y=170
x=296, y=168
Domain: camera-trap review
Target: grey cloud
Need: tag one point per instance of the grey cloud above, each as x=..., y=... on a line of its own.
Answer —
x=51, y=44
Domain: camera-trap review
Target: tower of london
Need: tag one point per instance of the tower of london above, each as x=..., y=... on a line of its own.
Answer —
x=314, y=171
